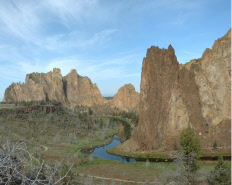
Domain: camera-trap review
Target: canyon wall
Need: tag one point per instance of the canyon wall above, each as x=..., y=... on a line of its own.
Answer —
x=173, y=95
x=71, y=90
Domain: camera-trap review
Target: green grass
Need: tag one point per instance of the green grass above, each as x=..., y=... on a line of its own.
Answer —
x=221, y=153
x=115, y=151
x=137, y=155
x=42, y=129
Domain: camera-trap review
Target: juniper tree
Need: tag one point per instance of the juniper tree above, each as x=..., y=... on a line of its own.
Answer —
x=191, y=149
x=221, y=173
x=190, y=142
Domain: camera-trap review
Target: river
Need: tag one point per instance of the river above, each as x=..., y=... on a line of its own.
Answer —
x=100, y=152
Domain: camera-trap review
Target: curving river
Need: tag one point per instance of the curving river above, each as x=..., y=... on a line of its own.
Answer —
x=100, y=152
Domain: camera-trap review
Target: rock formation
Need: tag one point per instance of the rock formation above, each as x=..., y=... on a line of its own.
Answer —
x=126, y=98
x=81, y=91
x=70, y=90
x=173, y=95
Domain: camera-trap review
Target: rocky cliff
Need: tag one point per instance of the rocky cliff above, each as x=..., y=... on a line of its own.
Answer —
x=173, y=95
x=81, y=91
x=71, y=90
x=126, y=98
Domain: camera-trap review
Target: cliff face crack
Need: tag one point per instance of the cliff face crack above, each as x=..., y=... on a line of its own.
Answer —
x=65, y=88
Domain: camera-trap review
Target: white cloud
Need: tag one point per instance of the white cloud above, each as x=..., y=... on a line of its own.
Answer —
x=20, y=19
x=71, y=9
x=64, y=64
x=99, y=38
x=187, y=56
x=29, y=20
x=191, y=53
x=95, y=69
x=121, y=60
x=75, y=40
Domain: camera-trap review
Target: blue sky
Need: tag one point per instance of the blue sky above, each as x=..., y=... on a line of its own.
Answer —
x=105, y=40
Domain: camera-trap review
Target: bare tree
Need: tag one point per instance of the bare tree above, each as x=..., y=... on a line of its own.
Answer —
x=16, y=166
x=184, y=172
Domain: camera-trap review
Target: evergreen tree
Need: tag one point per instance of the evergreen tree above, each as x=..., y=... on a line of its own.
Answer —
x=221, y=173
x=101, y=123
x=215, y=145
x=90, y=111
x=191, y=148
x=190, y=142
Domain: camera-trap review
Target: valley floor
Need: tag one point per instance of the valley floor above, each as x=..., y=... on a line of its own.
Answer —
x=60, y=136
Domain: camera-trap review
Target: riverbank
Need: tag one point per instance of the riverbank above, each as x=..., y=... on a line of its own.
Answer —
x=95, y=144
x=162, y=156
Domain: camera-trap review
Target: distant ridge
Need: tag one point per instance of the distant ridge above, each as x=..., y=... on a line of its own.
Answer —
x=71, y=90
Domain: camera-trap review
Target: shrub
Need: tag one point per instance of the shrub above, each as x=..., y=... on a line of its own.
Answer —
x=175, y=145
x=148, y=163
x=215, y=145
x=221, y=173
x=190, y=142
x=90, y=111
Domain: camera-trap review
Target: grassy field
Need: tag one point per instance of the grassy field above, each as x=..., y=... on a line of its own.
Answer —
x=62, y=133
x=60, y=136
x=136, y=172
x=123, y=151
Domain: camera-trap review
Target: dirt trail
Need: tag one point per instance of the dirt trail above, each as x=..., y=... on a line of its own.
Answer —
x=119, y=180
x=45, y=149
x=97, y=177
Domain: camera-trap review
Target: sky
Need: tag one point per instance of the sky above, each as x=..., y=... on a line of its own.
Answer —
x=105, y=40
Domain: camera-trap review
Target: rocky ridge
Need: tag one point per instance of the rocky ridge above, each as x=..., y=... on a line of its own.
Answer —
x=81, y=91
x=173, y=96
x=126, y=98
x=71, y=90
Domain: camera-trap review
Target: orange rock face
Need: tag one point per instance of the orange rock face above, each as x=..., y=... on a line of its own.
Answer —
x=126, y=98
x=173, y=96
x=71, y=90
